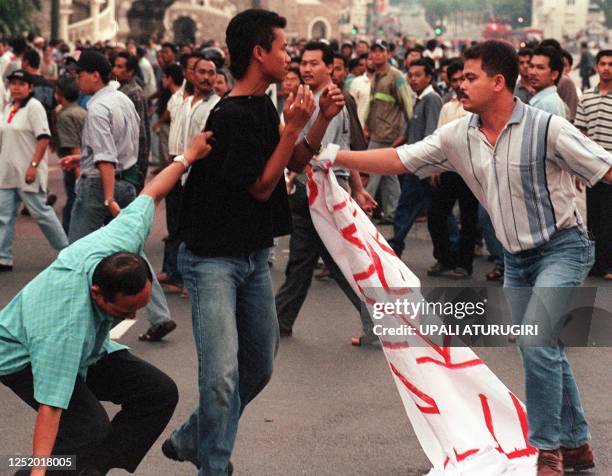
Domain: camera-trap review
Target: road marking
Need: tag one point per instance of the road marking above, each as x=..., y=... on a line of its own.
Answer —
x=121, y=328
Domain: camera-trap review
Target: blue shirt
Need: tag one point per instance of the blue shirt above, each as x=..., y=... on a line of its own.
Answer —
x=53, y=324
x=111, y=132
x=549, y=100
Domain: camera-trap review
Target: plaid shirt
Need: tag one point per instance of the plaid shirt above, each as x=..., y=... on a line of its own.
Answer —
x=53, y=324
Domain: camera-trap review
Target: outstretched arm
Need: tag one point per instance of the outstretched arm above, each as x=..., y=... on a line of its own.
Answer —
x=161, y=185
x=375, y=161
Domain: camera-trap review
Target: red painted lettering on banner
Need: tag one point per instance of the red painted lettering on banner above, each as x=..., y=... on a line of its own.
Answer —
x=431, y=408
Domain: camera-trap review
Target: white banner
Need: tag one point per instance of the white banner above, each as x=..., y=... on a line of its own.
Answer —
x=466, y=419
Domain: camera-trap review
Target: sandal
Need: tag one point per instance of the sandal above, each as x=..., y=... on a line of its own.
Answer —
x=607, y=277
x=158, y=332
x=496, y=275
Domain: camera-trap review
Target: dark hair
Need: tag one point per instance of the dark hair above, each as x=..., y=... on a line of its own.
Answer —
x=226, y=74
x=296, y=71
x=131, y=61
x=525, y=52
x=445, y=62
x=171, y=46
x=33, y=58
x=555, y=60
x=353, y=63
x=551, y=43
x=247, y=30
x=412, y=50
x=432, y=44
x=455, y=66
x=429, y=70
x=601, y=54
x=326, y=52
x=68, y=87
x=175, y=73
x=570, y=59
x=343, y=58
x=497, y=57
x=121, y=272
x=140, y=51
x=19, y=45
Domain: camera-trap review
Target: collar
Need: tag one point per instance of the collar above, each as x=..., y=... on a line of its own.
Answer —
x=102, y=92
x=515, y=118
x=546, y=92
x=25, y=101
x=596, y=89
x=429, y=89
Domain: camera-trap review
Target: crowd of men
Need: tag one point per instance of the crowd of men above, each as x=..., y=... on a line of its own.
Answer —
x=111, y=110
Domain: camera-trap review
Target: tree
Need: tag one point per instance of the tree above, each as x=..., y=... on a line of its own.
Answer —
x=16, y=16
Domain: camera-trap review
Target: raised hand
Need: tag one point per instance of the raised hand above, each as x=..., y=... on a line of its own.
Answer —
x=331, y=101
x=299, y=108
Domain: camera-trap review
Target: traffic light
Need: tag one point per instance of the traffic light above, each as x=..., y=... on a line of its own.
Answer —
x=355, y=30
x=438, y=30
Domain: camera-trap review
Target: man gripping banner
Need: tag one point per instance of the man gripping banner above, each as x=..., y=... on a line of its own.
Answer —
x=465, y=418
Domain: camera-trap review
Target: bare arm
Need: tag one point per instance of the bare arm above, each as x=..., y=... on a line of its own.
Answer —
x=159, y=187
x=107, y=177
x=375, y=161
x=37, y=156
x=45, y=433
x=608, y=177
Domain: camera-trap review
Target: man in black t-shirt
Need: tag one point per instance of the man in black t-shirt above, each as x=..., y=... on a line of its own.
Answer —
x=234, y=204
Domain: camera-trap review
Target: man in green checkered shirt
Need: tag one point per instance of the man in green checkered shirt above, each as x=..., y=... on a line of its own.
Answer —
x=55, y=350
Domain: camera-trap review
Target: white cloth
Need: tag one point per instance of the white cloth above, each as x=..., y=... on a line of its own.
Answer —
x=360, y=90
x=148, y=75
x=467, y=421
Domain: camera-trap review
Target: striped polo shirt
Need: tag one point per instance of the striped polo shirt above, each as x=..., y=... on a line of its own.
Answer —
x=594, y=115
x=525, y=181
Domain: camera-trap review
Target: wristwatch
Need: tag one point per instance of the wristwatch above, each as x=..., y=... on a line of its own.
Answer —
x=34, y=164
x=182, y=160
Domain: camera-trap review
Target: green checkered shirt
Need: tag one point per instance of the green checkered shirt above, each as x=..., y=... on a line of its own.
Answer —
x=53, y=324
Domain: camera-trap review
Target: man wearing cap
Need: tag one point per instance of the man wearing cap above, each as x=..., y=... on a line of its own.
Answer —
x=23, y=173
x=390, y=109
x=109, y=172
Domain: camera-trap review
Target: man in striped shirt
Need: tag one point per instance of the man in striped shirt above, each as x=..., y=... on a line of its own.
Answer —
x=520, y=163
x=594, y=118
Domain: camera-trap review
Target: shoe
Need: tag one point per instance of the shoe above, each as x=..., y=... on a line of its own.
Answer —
x=550, y=463
x=170, y=451
x=459, y=273
x=51, y=199
x=438, y=269
x=158, y=332
x=578, y=459
x=323, y=275
x=366, y=341
x=6, y=268
x=496, y=275
x=171, y=288
x=230, y=469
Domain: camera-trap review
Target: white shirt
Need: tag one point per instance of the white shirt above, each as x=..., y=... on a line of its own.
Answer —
x=195, y=116
x=150, y=83
x=175, y=108
x=17, y=144
x=360, y=90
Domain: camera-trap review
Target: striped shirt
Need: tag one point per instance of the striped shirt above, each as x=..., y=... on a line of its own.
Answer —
x=594, y=115
x=53, y=324
x=525, y=181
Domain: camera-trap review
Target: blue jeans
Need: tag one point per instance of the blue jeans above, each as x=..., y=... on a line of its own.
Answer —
x=45, y=217
x=488, y=232
x=89, y=214
x=236, y=336
x=554, y=411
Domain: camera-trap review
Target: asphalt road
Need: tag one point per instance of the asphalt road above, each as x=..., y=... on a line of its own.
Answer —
x=330, y=409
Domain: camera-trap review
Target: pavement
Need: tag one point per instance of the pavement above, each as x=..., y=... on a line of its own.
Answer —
x=330, y=409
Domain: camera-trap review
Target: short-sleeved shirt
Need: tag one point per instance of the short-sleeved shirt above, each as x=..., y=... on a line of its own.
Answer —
x=195, y=117
x=338, y=132
x=70, y=122
x=522, y=92
x=549, y=100
x=175, y=135
x=17, y=145
x=425, y=116
x=219, y=216
x=53, y=324
x=525, y=181
x=110, y=133
x=594, y=115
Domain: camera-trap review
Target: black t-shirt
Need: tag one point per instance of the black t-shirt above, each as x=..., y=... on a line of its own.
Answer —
x=219, y=217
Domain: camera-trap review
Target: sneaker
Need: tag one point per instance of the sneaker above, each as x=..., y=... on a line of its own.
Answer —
x=550, y=463
x=578, y=459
